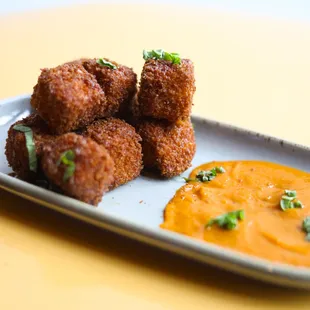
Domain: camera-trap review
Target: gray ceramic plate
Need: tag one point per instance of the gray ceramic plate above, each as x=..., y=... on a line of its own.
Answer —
x=121, y=210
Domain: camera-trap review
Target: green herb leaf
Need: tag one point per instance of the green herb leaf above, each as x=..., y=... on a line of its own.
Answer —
x=241, y=214
x=306, y=227
x=290, y=193
x=30, y=145
x=220, y=169
x=187, y=180
x=161, y=54
x=297, y=204
x=289, y=200
x=306, y=224
x=206, y=175
x=67, y=158
x=284, y=197
x=286, y=204
x=103, y=62
x=145, y=55
x=228, y=220
x=69, y=172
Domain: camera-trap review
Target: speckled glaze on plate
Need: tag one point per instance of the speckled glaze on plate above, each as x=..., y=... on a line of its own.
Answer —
x=136, y=209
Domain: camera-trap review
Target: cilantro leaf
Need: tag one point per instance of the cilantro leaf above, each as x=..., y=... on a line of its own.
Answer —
x=290, y=193
x=30, y=145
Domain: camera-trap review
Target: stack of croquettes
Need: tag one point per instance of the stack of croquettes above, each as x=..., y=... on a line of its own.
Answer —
x=163, y=109
x=79, y=137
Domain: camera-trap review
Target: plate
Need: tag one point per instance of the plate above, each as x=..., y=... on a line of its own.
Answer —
x=136, y=209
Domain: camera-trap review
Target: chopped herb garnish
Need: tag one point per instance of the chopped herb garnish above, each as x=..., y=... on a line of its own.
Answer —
x=67, y=158
x=290, y=193
x=298, y=204
x=30, y=145
x=161, y=54
x=220, y=169
x=187, y=180
x=306, y=227
x=103, y=62
x=206, y=175
x=289, y=200
x=228, y=220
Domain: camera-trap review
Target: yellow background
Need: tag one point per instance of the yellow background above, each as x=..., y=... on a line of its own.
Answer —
x=251, y=72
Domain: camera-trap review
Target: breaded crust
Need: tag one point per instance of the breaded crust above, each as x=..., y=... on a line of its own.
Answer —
x=166, y=89
x=93, y=167
x=167, y=147
x=119, y=85
x=67, y=97
x=16, y=151
x=123, y=144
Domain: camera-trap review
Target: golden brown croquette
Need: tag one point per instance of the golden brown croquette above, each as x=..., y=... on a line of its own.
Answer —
x=93, y=167
x=119, y=84
x=67, y=97
x=167, y=147
x=166, y=89
x=122, y=143
x=16, y=151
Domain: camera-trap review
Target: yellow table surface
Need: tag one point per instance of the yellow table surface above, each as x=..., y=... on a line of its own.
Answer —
x=251, y=72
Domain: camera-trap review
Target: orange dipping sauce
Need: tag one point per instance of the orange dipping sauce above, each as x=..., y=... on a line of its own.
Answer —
x=255, y=187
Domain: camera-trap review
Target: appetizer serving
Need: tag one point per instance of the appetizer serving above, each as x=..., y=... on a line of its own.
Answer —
x=93, y=130
x=136, y=210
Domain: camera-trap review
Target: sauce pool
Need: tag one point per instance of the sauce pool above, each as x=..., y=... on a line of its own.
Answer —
x=255, y=187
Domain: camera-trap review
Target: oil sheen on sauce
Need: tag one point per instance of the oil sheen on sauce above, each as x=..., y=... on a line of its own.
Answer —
x=256, y=187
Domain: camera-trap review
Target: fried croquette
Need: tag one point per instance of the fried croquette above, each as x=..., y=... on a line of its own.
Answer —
x=166, y=89
x=67, y=97
x=167, y=147
x=16, y=151
x=91, y=171
x=119, y=84
x=122, y=143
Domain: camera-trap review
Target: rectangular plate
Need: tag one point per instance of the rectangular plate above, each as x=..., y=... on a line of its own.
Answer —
x=122, y=211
